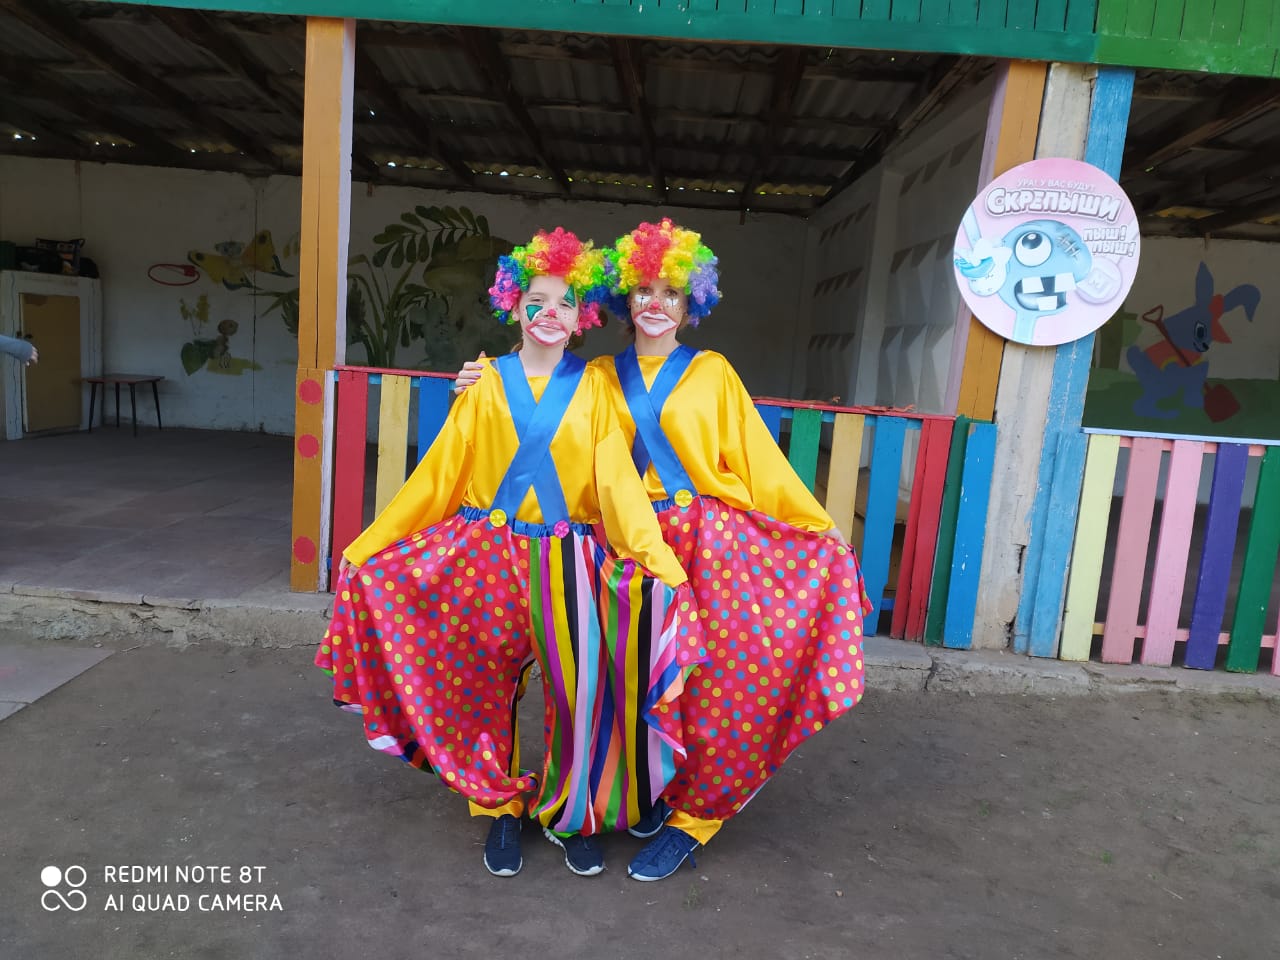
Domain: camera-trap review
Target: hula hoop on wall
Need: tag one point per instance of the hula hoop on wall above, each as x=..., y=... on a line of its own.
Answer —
x=189, y=274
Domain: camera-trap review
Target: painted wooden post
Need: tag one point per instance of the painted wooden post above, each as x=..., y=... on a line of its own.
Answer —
x=1259, y=569
x=322, y=279
x=1037, y=627
x=1214, y=578
x=1172, y=552
x=1012, y=126
x=1022, y=399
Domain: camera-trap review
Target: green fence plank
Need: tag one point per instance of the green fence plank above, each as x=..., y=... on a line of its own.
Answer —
x=905, y=11
x=946, y=535
x=1081, y=15
x=1260, y=554
x=1051, y=15
x=802, y=451
x=1228, y=15
x=963, y=13
x=1167, y=23
x=935, y=12
x=1140, y=17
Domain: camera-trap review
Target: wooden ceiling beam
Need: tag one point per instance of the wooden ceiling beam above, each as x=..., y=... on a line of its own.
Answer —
x=481, y=48
x=371, y=79
x=788, y=74
x=39, y=85
x=1268, y=206
x=61, y=26
x=928, y=97
x=630, y=73
x=205, y=33
x=1239, y=102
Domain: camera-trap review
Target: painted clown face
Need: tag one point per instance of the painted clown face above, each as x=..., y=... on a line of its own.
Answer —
x=548, y=311
x=657, y=307
x=1048, y=260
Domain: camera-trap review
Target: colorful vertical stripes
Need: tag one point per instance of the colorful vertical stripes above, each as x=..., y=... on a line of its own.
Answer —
x=945, y=502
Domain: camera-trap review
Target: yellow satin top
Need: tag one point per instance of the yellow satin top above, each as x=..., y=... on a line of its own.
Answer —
x=722, y=442
x=469, y=457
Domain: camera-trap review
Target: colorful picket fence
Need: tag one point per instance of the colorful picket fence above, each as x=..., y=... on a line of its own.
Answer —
x=934, y=596
x=1166, y=581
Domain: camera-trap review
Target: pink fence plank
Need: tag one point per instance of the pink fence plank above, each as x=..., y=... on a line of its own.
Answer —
x=1172, y=551
x=348, y=459
x=1131, y=551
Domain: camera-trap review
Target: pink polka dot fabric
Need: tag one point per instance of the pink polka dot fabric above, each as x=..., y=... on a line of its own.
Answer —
x=429, y=639
x=782, y=614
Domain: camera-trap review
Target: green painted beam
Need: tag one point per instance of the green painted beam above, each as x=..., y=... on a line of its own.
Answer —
x=1226, y=36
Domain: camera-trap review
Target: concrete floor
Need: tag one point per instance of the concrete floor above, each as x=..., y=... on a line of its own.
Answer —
x=172, y=513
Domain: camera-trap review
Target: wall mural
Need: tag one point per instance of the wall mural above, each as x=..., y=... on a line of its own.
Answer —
x=420, y=299
x=1154, y=369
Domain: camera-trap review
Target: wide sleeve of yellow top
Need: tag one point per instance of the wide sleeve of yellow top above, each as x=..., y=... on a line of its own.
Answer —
x=434, y=490
x=629, y=522
x=753, y=454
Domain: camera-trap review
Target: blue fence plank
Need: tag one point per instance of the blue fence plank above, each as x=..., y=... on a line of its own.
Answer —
x=882, y=509
x=971, y=531
x=433, y=407
x=1214, y=577
x=772, y=417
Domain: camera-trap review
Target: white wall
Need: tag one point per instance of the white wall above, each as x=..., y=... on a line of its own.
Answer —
x=880, y=290
x=135, y=217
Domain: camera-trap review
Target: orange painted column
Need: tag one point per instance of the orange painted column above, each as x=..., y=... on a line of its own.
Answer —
x=322, y=279
x=1012, y=129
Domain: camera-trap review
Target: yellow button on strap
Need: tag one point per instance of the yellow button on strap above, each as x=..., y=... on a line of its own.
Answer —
x=498, y=518
x=683, y=498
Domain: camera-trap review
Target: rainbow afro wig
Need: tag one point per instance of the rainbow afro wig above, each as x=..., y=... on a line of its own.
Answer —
x=668, y=252
x=556, y=254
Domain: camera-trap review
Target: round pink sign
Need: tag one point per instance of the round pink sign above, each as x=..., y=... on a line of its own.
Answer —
x=1047, y=252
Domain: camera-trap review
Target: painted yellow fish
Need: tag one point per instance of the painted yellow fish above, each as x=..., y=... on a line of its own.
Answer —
x=231, y=263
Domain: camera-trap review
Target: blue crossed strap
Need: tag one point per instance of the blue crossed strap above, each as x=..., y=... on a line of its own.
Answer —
x=651, y=444
x=536, y=423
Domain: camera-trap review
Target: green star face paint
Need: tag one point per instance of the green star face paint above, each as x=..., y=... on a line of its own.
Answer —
x=570, y=298
x=532, y=310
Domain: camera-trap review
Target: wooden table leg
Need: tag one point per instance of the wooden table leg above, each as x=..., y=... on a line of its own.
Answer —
x=133, y=406
x=93, y=397
x=155, y=394
x=117, y=405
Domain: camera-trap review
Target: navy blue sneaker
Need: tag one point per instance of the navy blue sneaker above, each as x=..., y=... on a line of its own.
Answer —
x=582, y=854
x=502, y=849
x=651, y=822
x=662, y=857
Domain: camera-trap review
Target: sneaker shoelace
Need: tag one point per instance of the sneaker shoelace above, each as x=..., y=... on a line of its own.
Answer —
x=508, y=830
x=669, y=841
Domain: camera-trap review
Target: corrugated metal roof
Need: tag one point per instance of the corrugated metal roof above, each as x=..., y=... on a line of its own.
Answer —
x=708, y=106
x=229, y=87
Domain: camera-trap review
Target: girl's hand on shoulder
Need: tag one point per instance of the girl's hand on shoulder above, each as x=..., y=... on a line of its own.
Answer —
x=470, y=373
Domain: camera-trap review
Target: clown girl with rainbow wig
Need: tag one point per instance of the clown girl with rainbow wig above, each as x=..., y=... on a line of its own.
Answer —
x=486, y=562
x=779, y=592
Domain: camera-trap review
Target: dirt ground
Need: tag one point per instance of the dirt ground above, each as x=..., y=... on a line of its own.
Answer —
x=932, y=825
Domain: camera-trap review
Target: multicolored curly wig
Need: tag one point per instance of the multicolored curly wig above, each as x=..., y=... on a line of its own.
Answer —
x=556, y=254
x=668, y=252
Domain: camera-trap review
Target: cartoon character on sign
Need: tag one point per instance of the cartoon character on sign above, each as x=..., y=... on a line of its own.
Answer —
x=1032, y=270
x=1177, y=362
